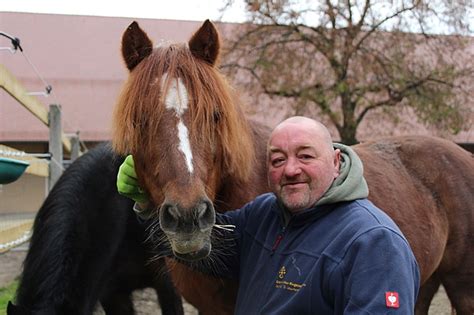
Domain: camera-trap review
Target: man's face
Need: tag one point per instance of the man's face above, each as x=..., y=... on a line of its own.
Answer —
x=301, y=165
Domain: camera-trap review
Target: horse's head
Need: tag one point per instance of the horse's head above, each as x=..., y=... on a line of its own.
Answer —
x=177, y=116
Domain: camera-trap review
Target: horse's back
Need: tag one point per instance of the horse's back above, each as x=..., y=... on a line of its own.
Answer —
x=434, y=167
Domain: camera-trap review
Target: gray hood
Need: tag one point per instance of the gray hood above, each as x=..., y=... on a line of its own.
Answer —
x=350, y=184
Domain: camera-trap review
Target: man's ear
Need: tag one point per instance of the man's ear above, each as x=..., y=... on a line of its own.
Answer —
x=337, y=162
x=135, y=45
x=205, y=44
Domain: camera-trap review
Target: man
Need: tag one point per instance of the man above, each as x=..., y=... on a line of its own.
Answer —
x=315, y=245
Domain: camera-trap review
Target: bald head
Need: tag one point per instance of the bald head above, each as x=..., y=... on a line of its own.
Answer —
x=310, y=126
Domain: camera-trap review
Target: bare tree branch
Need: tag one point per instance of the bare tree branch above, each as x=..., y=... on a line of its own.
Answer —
x=349, y=58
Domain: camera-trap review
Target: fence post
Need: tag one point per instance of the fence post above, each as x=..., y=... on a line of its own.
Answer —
x=55, y=144
x=75, y=147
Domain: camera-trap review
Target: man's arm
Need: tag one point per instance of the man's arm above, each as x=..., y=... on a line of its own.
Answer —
x=378, y=274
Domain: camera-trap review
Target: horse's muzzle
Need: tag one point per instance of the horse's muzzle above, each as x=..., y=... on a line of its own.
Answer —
x=188, y=229
x=195, y=255
x=177, y=219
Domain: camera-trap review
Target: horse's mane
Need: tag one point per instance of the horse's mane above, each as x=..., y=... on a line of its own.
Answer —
x=215, y=112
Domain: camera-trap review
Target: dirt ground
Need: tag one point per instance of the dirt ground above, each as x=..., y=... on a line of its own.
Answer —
x=145, y=300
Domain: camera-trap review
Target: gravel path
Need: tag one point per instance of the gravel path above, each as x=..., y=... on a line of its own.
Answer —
x=145, y=300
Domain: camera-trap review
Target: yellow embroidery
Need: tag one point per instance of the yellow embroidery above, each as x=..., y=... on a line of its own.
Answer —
x=287, y=285
x=282, y=272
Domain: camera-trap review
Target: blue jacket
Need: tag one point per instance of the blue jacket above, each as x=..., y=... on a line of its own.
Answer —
x=343, y=258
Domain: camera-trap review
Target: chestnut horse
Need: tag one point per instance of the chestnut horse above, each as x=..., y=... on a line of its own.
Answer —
x=196, y=153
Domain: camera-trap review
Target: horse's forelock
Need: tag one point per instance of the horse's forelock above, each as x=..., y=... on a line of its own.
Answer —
x=212, y=107
x=217, y=110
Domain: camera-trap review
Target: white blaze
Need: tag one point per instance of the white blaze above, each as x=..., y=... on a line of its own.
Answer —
x=184, y=145
x=177, y=96
x=177, y=100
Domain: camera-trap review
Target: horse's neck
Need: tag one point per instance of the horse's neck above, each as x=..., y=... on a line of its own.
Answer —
x=234, y=193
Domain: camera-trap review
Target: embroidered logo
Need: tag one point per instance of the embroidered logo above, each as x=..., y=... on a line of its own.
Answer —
x=287, y=285
x=391, y=299
x=282, y=272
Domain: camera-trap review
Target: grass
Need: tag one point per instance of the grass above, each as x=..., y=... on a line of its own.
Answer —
x=7, y=294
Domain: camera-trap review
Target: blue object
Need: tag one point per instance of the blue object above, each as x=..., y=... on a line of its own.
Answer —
x=11, y=169
x=340, y=258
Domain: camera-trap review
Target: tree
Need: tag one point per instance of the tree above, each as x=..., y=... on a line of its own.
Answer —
x=347, y=58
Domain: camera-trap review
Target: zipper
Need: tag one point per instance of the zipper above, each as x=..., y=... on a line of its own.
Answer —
x=278, y=241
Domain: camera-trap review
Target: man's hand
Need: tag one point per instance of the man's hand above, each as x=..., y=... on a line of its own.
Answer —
x=127, y=183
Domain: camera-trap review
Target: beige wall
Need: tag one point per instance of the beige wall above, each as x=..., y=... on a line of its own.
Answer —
x=24, y=195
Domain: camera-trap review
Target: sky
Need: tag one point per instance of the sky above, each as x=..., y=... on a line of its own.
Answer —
x=194, y=10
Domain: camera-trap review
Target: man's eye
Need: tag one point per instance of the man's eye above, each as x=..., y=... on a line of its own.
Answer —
x=305, y=157
x=278, y=162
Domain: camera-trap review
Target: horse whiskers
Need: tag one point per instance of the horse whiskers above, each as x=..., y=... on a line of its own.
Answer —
x=223, y=232
x=160, y=267
x=153, y=230
x=157, y=257
x=226, y=227
x=158, y=243
x=222, y=238
x=162, y=249
x=215, y=262
x=153, y=226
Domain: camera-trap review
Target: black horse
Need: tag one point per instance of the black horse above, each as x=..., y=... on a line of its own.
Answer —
x=87, y=246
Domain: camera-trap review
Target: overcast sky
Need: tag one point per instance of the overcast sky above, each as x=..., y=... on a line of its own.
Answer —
x=194, y=10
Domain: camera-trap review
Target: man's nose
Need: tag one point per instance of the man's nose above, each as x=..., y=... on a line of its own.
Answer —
x=292, y=167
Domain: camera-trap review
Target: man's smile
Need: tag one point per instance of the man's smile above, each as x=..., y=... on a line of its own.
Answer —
x=294, y=185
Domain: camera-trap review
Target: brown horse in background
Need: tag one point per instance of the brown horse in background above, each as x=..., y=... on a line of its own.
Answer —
x=196, y=153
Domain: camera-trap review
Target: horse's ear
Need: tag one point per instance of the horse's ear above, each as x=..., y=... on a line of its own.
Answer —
x=205, y=43
x=135, y=45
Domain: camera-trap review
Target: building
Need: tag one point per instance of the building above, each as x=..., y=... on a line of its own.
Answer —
x=79, y=56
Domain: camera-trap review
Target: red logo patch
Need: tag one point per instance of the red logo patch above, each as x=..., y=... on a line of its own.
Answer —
x=391, y=299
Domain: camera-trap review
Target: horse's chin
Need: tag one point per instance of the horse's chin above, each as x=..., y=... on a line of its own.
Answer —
x=194, y=255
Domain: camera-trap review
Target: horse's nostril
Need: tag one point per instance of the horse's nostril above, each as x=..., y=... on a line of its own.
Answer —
x=206, y=215
x=201, y=209
x=169, y=217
